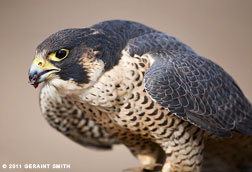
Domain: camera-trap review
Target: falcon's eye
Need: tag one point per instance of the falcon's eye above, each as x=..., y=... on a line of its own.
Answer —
x=58, y=55
x=61, y=54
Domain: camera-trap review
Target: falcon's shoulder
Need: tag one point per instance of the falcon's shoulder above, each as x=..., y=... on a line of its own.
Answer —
x=67, y=118
x=199, y=91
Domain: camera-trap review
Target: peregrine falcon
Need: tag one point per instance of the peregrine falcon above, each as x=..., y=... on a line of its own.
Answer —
x=123, y=82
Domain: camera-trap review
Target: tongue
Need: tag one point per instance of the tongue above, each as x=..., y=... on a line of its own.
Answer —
x=35, y=85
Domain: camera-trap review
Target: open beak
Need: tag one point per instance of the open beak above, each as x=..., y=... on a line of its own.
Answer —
x=40, y=70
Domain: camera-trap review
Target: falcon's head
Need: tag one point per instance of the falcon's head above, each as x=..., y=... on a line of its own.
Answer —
x=73, y=58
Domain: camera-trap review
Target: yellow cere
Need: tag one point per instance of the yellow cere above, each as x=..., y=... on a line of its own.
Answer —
x=44, y=64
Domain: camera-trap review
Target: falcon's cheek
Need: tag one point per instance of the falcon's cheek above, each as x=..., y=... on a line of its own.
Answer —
x=73, y=72
x=94, y=68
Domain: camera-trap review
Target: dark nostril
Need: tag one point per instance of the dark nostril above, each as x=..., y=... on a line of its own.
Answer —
x=32, y=76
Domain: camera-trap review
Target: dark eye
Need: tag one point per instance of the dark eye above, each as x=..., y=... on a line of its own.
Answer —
x=61, y=54
x=58, y=55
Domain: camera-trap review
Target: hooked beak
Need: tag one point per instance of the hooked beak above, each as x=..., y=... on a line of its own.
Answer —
x=40, y=70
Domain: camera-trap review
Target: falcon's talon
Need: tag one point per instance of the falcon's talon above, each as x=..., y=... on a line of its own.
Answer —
x=144, y=168
x=137, y=169
x=124, y=82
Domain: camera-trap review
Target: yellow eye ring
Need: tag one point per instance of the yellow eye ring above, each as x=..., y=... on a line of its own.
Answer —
x=58, y=55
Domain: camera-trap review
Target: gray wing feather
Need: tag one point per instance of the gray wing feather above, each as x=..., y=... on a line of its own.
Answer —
x=191, y=86
x=68, y=119
x=198, y=91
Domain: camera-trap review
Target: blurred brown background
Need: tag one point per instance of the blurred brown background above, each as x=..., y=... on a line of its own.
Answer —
x=219, y=30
